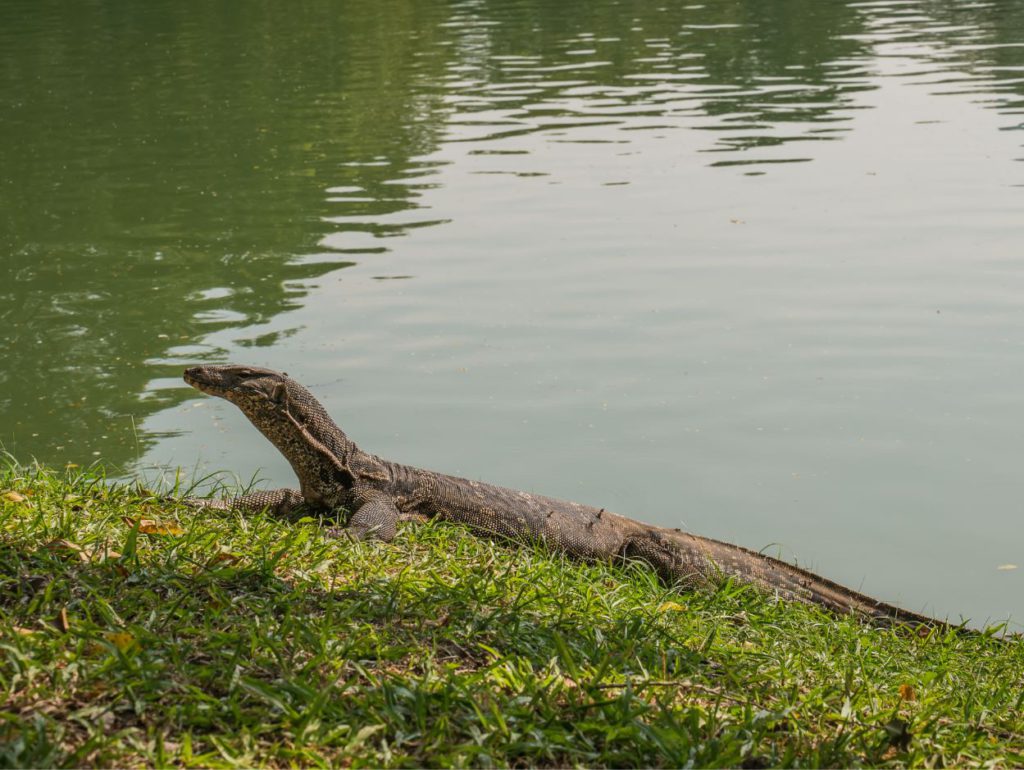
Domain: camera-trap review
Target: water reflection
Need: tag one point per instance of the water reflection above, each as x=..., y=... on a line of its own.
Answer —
x=755, y=75
x=953, y=49
x=171, y=170
x=164, y=177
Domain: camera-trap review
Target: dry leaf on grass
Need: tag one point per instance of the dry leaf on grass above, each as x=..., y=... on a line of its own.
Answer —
x=671, y=607
x=154, y=527
x=67, y=549
x=225, y=557
x=121, y=639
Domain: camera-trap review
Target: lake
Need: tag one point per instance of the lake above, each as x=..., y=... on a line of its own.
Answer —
x=751, y=269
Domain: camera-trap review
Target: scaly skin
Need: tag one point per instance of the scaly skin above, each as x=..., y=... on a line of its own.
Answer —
x=336, y=476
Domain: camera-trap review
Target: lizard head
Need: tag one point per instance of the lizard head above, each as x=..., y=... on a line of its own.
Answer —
x=276, y=404
x=283, y=411
x=248, y=387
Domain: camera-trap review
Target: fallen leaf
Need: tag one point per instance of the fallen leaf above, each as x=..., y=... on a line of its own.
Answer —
x=121, y=639
x=1005, y=567
x=907, y=692
x=14, y=497
x=154, y=527
x=22, y=631
x=671, y=607
x=68, y=549
x=63, y=624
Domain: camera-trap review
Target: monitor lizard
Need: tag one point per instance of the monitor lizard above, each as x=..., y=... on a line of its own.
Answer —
x=338, y=477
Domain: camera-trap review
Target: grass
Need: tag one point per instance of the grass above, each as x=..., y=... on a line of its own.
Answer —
x=134, y=632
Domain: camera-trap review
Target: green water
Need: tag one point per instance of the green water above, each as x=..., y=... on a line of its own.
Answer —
x=750, y=268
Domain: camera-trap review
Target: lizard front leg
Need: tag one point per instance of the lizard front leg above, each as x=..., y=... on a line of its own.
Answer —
x=280, y=502
x=374, y=517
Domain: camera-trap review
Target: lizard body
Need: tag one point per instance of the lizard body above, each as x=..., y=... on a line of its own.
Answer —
x=336, y=475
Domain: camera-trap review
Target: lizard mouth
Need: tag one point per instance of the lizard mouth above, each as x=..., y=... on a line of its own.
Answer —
x=227, y=380
x=199, y=378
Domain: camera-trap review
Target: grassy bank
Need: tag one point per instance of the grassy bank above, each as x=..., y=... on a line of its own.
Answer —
x=139, y=633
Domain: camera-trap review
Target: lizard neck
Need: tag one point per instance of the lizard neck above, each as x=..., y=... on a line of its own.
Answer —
x=327, y=462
